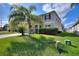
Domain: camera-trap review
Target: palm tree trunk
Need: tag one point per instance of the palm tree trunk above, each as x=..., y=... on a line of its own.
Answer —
x=29, y=26
x=22, y=33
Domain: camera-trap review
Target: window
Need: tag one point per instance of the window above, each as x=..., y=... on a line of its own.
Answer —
x=47, y=16
x=56, y=19
x=47, y=25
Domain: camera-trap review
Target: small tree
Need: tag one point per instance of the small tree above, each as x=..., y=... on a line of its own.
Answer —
x=20, y=13
x=22, y=26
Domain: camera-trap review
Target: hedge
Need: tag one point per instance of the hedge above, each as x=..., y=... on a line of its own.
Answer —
x=48, y=31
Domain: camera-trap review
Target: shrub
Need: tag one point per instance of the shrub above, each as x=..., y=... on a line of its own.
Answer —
x=48, y=31
x=59, y=31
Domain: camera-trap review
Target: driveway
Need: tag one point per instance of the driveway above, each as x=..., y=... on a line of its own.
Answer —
x=9, y=35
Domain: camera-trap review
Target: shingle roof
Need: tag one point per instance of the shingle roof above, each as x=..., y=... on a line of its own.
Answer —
x=51, y=12
x=76, y=23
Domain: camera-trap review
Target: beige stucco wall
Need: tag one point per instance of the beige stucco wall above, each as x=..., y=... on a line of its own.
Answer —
x=77, y=27
x=55, y=22
x=74, y=29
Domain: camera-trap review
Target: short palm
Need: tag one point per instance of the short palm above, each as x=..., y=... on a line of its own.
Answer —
x=20, y=13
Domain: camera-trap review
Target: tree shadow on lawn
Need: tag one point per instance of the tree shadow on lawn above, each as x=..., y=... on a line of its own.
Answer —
x=32, y=47
x=73, y=46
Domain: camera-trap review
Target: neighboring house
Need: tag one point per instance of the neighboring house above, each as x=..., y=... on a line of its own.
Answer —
x=0, y=28
x=5, y=27
x=50, y=20
x=74, y=28
x=70, y=29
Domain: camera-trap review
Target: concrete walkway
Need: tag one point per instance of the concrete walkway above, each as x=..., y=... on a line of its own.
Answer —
x=9, y=35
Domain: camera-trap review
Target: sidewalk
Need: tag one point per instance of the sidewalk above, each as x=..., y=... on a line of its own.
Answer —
x=9, y=35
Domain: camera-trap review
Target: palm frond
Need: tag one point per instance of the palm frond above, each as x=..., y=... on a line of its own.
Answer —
x=36, y=19
x=18, y=15
x=72, y=4
x=32, y=8
x=14, y=7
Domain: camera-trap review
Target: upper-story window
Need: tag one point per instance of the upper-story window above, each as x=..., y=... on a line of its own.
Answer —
x=47, y=16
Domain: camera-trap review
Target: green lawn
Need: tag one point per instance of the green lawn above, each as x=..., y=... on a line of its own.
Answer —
x=6, y=32
x=39, y=44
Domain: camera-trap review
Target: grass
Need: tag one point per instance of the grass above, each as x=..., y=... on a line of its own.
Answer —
x=6, y=32
x=39, y=45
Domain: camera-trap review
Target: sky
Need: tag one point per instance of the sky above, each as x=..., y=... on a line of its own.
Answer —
x=67, y=14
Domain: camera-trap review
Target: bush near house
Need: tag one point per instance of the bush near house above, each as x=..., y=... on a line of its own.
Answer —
x=59, y=31
x=48, y=31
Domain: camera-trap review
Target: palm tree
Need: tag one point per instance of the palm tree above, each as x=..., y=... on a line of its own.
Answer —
x=22, y=26
x=20, y=13
x=73, y=4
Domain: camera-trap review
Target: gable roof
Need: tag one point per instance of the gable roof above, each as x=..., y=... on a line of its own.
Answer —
x=75, y=23
x=51, y=12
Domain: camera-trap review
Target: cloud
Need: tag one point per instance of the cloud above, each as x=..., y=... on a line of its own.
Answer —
x=63, y=20
x=10, y=3
x=69, y=24
x=14, y=4
x=47, y=7
x=60, y=8
x=4, y=22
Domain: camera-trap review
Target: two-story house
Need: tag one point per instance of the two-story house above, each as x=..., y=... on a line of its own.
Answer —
x=50, y=20
x=74, y=28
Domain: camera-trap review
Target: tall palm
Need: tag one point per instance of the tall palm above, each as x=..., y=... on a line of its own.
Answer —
x=20, y=13
x=73, y=4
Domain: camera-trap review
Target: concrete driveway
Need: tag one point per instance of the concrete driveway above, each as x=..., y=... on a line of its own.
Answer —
x=9, y=35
